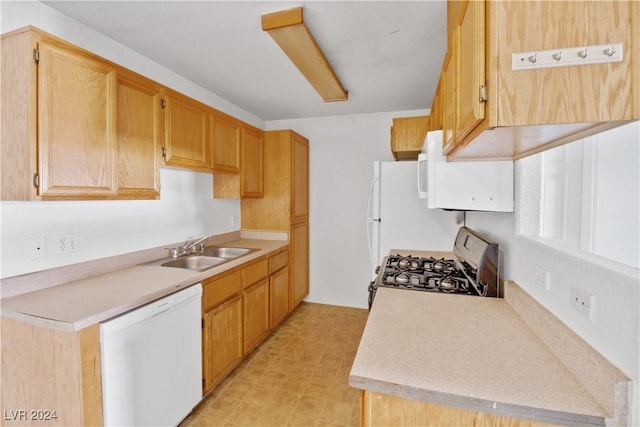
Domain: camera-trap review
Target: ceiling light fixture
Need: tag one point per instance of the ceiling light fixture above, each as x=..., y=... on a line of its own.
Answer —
x=288, y=29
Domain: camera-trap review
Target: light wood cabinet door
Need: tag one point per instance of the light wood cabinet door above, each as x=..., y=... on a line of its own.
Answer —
x=448, y=101
x=435, y=121
x=256, y=314
x=407, y=136
x=300, y=182
x=278, y=296
x=77, y=137
x=221, y=341
x=471, y=68
x=139, y=139
x=299, y=263
x=18, y=117
x=225, y=152
x=252, y=163
x=528, y=111
x=186, y=133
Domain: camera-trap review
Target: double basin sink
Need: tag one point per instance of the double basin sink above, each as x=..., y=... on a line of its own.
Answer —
x=209, y=258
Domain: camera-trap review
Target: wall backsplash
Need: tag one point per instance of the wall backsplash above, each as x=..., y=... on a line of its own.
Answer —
x=105, y=228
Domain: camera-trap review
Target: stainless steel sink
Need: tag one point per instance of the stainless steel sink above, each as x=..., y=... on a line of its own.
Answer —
x=195, y=262
x=226, y=252
x=209, y=258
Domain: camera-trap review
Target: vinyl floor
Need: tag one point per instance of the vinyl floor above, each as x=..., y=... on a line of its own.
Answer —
x=296, y=377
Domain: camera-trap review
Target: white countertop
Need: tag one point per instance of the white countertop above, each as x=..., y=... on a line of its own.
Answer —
x=81, y=303
x=467, y=352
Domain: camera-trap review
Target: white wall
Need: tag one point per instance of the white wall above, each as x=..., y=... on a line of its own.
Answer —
x=615, y=332
x=107, y=228
x=342, y=150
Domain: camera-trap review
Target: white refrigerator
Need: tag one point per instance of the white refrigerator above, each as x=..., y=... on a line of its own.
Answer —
x=398, y=219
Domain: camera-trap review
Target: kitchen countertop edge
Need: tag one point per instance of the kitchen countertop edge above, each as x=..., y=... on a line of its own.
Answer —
x=181, y=279
x=475, y=404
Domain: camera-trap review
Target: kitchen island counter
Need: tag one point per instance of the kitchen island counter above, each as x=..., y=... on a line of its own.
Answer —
x=478, y=354
x=80, y=303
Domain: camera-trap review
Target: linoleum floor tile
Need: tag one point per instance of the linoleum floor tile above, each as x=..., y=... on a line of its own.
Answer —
x=297, y=377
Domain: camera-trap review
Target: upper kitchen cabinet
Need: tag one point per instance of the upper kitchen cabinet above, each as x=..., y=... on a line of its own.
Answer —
x=470, y=73
x=251, y=163
x=512, y=112
x=435, y=116
x=407, y=136
x=59, y=130
x=286, y=184
x=226, y=134
x=300, y=184
x=186, y=132
x=248, y=183
x=139, y=137
x=448, y=79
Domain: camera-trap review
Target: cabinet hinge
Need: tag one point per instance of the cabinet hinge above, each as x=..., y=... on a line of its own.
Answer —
x=482, y=93
x=163, y=104
x=163, y=152
x=202, y=323
x=203, y=383
x=36, y=55
x=36, y=180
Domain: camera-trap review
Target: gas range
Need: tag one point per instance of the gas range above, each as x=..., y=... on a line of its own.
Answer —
x=471, y=269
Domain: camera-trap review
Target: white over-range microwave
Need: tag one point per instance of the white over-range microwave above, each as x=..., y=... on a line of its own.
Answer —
x=476, y=186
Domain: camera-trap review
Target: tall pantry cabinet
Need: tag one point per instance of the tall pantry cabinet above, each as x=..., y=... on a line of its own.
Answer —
x=285, y=204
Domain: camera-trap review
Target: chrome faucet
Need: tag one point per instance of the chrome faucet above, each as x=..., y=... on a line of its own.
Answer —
x=191, y=247
x=188, y=247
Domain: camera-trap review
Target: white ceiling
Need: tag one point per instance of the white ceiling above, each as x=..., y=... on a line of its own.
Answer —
x=388, y=54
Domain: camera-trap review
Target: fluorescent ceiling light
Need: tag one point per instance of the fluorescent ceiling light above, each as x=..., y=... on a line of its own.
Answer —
x=288, y=30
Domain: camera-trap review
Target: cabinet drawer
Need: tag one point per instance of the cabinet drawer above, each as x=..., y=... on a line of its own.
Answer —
x=220, y=290
x=276, y=262
x=254, y=272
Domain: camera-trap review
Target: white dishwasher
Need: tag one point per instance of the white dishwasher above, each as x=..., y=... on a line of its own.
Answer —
x=151, y=362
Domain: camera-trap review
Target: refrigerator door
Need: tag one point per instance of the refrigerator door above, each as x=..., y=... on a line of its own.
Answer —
x=405, y=220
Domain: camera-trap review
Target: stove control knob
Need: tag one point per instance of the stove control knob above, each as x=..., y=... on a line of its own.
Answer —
x=377, y=269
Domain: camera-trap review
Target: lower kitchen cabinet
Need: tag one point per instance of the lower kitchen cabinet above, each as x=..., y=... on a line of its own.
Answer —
x=299, y=263
x=221, y=327
x=50, y=377
x=221, y=340
x=380, y=409
x=256, y=314
x=278, y=288
x=278, y=296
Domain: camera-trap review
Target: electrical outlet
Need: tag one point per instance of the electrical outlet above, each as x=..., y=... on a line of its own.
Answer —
x=73, y=243
x=543, y=279
x=37, y=248
x=66, y=244
x=583, y=302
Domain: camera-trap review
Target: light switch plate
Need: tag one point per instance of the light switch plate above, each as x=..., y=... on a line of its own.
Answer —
x=542, y=278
